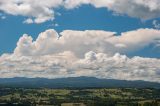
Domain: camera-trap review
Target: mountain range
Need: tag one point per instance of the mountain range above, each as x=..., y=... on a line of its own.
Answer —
x=74, y=82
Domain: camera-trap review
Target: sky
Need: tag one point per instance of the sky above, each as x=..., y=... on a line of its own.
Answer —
x=113, y=39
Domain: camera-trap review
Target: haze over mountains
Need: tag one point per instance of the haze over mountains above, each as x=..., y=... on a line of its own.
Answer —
x=74, y=82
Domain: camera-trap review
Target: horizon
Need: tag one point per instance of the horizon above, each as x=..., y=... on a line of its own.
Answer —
x=106, y=39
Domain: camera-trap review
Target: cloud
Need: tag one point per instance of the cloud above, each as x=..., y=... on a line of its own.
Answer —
x=48, y=66
x=136, y=39
x=28, y=21
x=2, y=16
x=156, y=24
x=44, y=44
x=80, y=42
x=66, y=64
x=143, y=9
x=50, y=42
x=40, y=11
x=53, y=25
x=119, y=67
x=83, y=53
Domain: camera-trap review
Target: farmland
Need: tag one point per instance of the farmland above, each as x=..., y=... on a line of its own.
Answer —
x=80, y=97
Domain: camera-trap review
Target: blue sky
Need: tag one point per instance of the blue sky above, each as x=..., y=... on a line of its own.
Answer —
x=117, y=39
x=86, y=17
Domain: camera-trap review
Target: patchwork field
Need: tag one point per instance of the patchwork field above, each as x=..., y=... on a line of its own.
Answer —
x=80, y=97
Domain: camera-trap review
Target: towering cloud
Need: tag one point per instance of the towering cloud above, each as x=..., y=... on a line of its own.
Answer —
x=80, y=42
x=83, y=53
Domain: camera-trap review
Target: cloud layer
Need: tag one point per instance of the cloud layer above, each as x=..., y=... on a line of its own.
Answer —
x=39, y=11
x=83, y=53
x=65, y=64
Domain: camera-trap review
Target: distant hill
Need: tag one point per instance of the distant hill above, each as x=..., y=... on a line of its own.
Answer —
x=74, y=82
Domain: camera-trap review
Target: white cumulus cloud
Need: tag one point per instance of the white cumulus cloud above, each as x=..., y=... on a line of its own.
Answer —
x=80, y=42
x=82, y=53
x=39, y=11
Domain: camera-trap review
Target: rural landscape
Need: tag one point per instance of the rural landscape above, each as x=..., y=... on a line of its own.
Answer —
x=80, y=97
x=78, y=91
x=79, y=52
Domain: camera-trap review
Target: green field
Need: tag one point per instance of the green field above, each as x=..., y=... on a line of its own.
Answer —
x=80, y=97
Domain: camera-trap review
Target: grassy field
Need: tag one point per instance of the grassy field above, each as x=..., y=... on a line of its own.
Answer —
x=80, y=97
